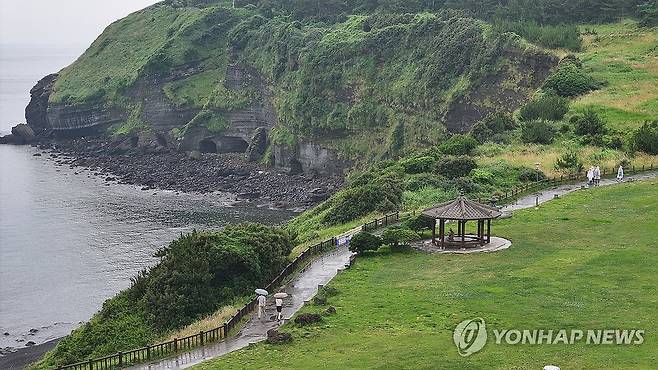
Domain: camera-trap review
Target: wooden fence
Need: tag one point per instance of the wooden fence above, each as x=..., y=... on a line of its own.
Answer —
x=548, y=182
x=381, y=222
x=152, y=352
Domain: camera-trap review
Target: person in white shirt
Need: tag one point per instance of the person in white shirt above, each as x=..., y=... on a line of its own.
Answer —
x=620, y=174
x=279, y=307
x=597, y=175
x=262, y=301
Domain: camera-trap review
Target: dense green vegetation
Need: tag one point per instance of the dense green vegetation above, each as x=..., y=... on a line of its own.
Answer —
x=399, y=310
x=197, y=274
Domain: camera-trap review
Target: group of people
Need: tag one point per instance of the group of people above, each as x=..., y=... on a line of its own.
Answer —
x=262, y=302
x=594, y=175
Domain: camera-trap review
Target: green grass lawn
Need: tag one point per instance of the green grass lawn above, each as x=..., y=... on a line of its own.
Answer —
x=626, y=56
x=585, y=261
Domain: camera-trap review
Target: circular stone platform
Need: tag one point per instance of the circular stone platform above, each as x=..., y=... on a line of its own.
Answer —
x=497, y=244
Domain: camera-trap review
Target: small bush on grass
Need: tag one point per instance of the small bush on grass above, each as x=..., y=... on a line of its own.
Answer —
x=549, y=107
x=398, y=238
x=364, y=241
x=458, y=145
x=589, y=123
x=570, y=162
x=538, y=132
x=645, y=138
x=570, y=80
x=529, y=175
x=454, y=167
x=418, y=164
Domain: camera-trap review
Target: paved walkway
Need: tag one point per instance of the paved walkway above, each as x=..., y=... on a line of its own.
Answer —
x=301, y=288
x=546, y=195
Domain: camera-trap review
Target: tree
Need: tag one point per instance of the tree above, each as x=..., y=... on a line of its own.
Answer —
x=646, y=138
x=538, y=132
x=364, y=241
x=398, y=236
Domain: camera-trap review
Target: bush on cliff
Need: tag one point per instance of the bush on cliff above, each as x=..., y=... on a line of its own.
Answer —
x=197, y=274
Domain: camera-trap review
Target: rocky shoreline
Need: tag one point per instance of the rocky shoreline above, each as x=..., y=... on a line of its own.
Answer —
x=155, y=167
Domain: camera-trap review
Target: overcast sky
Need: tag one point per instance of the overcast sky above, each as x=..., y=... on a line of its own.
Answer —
x=61, y=22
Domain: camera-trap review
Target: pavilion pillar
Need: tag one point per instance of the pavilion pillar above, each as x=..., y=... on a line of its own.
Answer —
x=479, y=236
x=433, y=231
x=442, y=232
x=488, y=231
x=463, y=233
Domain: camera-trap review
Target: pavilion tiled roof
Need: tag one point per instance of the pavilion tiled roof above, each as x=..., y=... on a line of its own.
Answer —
x=462, y=209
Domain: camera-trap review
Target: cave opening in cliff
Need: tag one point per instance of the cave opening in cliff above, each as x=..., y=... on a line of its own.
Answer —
x=207, y=146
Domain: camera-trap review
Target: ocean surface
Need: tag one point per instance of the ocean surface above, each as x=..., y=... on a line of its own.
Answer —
x=67, y=240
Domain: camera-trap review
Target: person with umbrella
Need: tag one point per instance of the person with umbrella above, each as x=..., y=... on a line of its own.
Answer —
x=278, y=300
x=262, y=301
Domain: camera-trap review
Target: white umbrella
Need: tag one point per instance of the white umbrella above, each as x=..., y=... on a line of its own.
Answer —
x=261, y=292
x=281, y=295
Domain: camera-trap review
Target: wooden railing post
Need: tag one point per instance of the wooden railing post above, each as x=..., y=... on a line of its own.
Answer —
x=175, y=344
x=201, y=334
x=120, y=355
x=148, y=353
x=91, y=364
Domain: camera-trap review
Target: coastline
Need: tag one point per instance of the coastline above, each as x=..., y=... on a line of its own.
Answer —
x=25, y=356
x=164, y=168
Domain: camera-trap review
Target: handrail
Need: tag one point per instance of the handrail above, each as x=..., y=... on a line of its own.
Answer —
x=160, y=350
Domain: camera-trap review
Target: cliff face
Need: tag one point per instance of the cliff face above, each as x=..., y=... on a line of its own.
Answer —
x=215, y=79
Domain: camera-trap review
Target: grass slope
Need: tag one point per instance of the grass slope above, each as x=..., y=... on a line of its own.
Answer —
x=626, y=56
x=594, y=271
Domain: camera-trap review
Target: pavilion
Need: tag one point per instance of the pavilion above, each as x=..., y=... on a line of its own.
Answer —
x=462, y=210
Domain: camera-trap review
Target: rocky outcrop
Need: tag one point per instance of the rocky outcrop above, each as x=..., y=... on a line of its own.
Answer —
x=36, y=111
x=258, y=145
x=20, y=134
x=72, y=117
x=503, y=91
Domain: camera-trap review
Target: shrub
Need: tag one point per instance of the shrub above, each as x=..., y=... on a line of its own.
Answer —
x=550, y=36
x=570, y=80
x=454, y=167
x=366, y=194
x=548, y=107
x=645, y=138
x=398, y=236
x=364, y=241
x=528, y=175
x=648, y=13
x=493, y=128
x=418, y=223
x=538, y=132
x=458, y=145
x=590, y=124
x=482, y=176
x=423, y=180
x=418, y=165
x=569, y=161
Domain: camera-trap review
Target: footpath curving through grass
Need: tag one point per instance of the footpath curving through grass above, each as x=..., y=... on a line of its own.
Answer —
x=585, y=261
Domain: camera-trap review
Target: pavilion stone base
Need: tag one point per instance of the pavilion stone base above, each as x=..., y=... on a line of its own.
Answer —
x=496, y=244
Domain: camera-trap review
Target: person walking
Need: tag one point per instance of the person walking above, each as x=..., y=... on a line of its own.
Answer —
x=279, y=308
x=620, y=174
x=262, y=301
x=590, y=176
x=597, y=175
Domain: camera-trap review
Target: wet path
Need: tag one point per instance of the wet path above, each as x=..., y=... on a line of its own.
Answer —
x=301, y=288
x=543, y=196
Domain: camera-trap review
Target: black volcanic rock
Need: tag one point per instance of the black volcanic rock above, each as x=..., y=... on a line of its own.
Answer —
x=35, y=112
